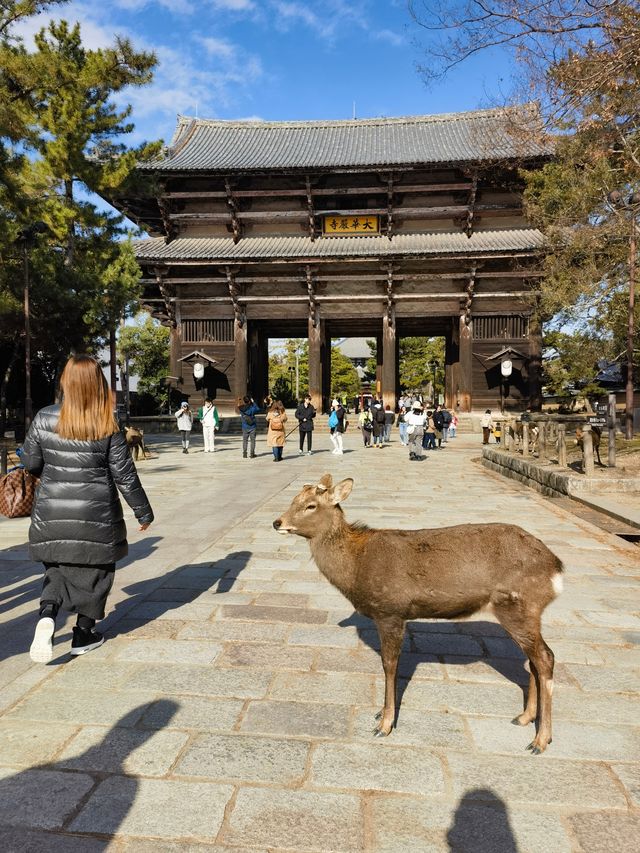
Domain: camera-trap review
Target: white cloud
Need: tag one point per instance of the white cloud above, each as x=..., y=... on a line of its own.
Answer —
x=389, y=36
x=234, y=5
x=218, y=48
x=332, y=17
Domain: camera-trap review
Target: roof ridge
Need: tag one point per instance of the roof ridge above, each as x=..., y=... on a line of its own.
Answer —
x=530, y=107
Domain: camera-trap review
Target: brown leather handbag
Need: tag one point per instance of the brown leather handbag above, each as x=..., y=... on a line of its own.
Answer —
x=17, y=493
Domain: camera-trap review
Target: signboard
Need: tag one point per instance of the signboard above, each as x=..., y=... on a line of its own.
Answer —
x=597, y=420
x=346, y=226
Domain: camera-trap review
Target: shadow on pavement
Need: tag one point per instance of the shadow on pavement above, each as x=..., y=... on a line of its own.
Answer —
x=481, y=824
x=35, y=803
x=184, y=585
x=511, y=668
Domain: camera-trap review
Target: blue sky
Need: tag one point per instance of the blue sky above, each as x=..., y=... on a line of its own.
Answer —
x=278, y=59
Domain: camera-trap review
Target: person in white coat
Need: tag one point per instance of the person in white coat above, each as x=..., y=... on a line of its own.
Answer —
x=210, y=420
x=184, y=419
x=415, y=421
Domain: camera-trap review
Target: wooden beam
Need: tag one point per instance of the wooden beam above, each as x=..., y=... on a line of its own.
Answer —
x=310, y=212
x=456, y=186
x=236, y=227
x=468, y=227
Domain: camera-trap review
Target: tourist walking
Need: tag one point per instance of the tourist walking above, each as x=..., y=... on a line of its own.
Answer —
x=276, y=419
x=487, y=425
x=305, y=413
x=247, y=408
x=415, y=429
x=336, y=427
x=184, y=422
x=377, y=414
x=210, y=421
x=429, y=440
x=366, y=426
x=446, y=423
x=453, y=426
x=402, y=425
x=438, y=420
x=389, y=418
x=77, y=527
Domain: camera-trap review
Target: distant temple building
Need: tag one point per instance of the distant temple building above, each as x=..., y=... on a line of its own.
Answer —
x=376, y=228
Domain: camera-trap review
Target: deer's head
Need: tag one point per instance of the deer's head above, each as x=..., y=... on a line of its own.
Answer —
x=313, y=511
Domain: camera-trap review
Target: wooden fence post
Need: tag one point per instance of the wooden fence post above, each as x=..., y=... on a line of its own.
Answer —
x=611, y=423
x=562, y=445
x=4, y=455
x=588, y=466
x=542, y=441
x=525, y=439
x=508, y=437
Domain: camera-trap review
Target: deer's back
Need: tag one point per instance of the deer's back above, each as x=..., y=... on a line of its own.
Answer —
x=450, y=571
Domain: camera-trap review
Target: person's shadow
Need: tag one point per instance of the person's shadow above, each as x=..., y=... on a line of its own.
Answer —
x=481, y=825
x=39, y=802
x=147, y=601
x=511, y=665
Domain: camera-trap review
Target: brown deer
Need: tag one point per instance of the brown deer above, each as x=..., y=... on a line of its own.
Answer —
x=596, y=435
x=446, y=573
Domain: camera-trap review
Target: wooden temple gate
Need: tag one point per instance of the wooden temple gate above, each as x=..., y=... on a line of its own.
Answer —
x=377, y=227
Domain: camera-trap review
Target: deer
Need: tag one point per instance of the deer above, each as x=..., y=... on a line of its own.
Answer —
x=596, y=435
x=392, y=576
x=135, y=442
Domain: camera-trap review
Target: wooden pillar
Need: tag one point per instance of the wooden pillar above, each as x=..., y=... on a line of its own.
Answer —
x=388, y=370
x=317, y=358
x=379, y=356
x=588, y=465
x=450, y=369
x=465, y=370
x=535, y=364
x=258, y=363
x=241, y=361
x=175, y=351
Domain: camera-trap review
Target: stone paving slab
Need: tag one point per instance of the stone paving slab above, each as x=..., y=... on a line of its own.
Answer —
x=231, y=708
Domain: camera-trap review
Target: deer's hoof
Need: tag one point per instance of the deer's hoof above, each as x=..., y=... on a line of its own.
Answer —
x=378, y=716
x=535, y=749
x=380, y=733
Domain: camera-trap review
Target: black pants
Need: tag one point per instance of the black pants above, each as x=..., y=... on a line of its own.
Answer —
x=309, y=435
x=78, y=589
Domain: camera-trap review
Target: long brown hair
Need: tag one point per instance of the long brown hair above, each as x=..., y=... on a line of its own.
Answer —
x=86, y=413
x=277, y=408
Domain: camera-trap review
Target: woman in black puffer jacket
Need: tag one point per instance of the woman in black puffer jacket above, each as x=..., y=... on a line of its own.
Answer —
x=77, y=528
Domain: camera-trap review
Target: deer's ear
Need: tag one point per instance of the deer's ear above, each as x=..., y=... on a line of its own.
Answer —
x=342, y=491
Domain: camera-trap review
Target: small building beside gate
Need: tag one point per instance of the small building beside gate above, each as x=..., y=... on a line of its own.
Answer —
x=376, y=228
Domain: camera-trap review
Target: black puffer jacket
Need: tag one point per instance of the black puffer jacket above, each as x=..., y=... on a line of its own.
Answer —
x=77, y=515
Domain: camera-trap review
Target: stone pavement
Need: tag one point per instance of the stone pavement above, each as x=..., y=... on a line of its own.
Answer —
x=232, y=706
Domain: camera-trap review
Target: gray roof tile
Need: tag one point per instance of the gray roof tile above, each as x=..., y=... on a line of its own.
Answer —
x=270, y=248
x=213, y=145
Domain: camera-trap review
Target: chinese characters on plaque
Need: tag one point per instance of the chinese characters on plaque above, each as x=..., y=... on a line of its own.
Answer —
x=347, y=226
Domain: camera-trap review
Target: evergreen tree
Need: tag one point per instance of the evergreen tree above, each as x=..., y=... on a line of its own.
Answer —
x=146, y=347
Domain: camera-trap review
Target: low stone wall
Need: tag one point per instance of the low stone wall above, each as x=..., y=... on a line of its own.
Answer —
x=549, y=479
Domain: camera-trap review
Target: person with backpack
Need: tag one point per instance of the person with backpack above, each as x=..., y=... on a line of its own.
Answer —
x=377, y=414
x=366, y=426
x=438, y=420
x=276, y=419
x=336, y=427
x=429, y=440
x=305, y=413
x=389, y=419
x=247, y=408
x=210, y=420
x=415, y=429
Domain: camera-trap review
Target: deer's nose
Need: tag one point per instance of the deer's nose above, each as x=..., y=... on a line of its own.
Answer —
x=277, y=523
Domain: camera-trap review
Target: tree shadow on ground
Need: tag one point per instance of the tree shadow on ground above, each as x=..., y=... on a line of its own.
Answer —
x=149, y=601
x=481, y=825
x=40, y=804
x=448, y=642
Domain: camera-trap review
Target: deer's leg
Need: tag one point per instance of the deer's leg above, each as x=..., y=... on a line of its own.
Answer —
x=391, y=633
x=531, y=711
x=525, y=630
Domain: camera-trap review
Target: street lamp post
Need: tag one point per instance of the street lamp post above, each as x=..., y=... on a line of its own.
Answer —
x=633, y=205
x=291, y=372
x=434, y=366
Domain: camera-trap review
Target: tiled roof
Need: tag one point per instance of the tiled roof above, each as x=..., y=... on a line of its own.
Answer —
x=212, y=145
x=269, y=248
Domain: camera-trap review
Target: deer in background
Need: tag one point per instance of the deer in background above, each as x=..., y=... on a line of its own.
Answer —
x=445, y=573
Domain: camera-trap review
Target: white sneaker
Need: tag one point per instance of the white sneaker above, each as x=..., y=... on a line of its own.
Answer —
x=309, y=452
x=41, y=650
x=300, y=452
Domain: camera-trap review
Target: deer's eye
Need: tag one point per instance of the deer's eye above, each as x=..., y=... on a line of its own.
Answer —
x=310, y=506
